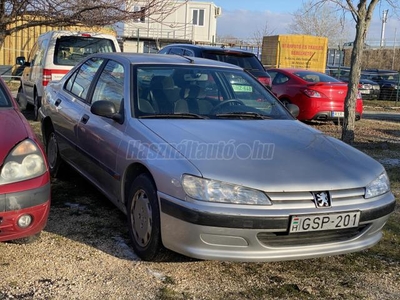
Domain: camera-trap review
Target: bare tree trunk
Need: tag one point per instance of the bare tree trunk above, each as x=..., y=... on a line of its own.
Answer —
x=352, y=91
x=362, y=15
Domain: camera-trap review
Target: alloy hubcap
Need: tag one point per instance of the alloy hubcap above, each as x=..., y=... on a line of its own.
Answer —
x=141, y=217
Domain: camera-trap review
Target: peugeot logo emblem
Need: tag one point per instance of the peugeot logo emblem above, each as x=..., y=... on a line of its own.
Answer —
x=322, y=199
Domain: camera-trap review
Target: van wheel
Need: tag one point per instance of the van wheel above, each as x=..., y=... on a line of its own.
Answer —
x=144, y=218
x=36, y=105
x=21, y=100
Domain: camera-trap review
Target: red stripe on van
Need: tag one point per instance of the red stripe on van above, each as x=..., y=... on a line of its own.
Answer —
x=47, y=75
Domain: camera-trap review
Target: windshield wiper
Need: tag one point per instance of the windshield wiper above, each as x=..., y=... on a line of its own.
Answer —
x=243, y=115
x=174, y=116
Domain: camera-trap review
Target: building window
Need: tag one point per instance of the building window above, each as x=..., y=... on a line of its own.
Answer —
x=141, y=14
x=198, y=17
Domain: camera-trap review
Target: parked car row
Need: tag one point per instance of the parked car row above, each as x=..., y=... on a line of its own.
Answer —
x=369, y=89
x=374, y=83
x=201, y=156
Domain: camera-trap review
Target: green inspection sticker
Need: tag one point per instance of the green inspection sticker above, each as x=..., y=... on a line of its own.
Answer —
x=242, y=88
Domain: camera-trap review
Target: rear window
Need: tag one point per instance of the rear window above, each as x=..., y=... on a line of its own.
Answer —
x=246, y=61
x=71, y=49
x=315, y=77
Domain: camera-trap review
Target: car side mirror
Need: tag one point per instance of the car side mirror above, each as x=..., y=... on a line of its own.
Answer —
x=107, y=109
x=293, y=109
x=20, y=60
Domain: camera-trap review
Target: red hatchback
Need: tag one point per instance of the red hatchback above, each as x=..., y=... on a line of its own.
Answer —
x=24, y=175
x=318, y=96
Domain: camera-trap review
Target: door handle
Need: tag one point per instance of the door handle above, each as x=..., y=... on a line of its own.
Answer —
x=85, y=118
x=58, y=102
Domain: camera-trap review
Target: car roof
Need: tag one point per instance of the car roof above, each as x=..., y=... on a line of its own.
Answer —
x=139, y=58
x=210, y=48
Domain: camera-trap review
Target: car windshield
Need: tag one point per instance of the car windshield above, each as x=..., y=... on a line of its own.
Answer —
x=4, y=100
x=315, y=76
x=202, y=92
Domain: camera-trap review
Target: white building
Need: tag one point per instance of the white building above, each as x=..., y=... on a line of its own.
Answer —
x=175, y=21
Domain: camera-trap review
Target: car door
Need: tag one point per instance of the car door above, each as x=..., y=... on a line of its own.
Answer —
x=68, y=105
x=99, y=137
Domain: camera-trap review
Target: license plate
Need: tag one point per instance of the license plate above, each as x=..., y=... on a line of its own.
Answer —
x=365, y=91
x=324, y=222
x=338, y=114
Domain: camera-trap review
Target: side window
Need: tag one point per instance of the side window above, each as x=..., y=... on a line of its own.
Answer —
x=39, y=60
x=79, y=83
x=32, y=54
x=110, y=85
x=280, y=79
x=177, y=51
x=188, y=53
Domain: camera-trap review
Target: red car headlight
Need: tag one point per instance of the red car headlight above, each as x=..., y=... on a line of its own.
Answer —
x=24, y=161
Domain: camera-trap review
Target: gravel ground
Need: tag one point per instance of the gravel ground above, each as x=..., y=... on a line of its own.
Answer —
x=84, y=253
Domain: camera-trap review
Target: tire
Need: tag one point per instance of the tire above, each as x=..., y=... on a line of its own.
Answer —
x=53, y=154
x=37, y=102
x=144, y=219
x=21, y=100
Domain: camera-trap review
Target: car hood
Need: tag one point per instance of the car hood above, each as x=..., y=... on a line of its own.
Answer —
x=16, y=132
x=271, y=155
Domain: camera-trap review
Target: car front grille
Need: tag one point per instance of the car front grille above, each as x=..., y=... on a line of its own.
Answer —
x=283, y=239
x=306, y=200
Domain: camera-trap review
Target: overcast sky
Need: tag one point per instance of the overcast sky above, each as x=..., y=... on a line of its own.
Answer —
x=242, y=18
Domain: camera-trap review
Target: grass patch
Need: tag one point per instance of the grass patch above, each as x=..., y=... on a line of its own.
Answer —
x=380, y=105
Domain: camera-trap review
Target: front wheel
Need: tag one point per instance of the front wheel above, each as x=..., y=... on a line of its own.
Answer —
x=144, y=218
x=53, y=154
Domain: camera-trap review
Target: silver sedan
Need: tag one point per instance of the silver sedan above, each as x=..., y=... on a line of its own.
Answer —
x=206, y=162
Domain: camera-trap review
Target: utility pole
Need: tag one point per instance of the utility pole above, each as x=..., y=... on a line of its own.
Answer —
x=384, y=20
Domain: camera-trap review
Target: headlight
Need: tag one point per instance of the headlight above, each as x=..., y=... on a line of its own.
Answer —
x=218, y=191
x=25, y=161
x=378, y=186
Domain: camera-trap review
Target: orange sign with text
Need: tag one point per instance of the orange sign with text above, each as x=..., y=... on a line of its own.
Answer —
x=295, y=51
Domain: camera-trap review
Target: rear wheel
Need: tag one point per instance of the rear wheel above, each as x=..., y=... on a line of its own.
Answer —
x=53, y=154
x=144, y=218
x=36, y=105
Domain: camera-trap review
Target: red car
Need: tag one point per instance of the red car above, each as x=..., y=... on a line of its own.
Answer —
x=318, y=96
x=24, y=175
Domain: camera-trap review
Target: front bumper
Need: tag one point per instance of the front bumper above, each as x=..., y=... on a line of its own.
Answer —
x=258, y=235
x=34, y=202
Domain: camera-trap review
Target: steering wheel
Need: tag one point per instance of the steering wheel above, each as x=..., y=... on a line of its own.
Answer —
x=224, y=103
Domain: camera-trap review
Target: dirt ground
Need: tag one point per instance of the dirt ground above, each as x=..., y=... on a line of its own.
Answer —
x=84, y=253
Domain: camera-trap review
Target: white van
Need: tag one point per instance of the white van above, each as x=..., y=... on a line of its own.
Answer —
x=52, y=56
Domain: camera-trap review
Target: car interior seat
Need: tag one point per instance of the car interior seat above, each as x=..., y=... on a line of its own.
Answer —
x=193, y=101
x=163, y=94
